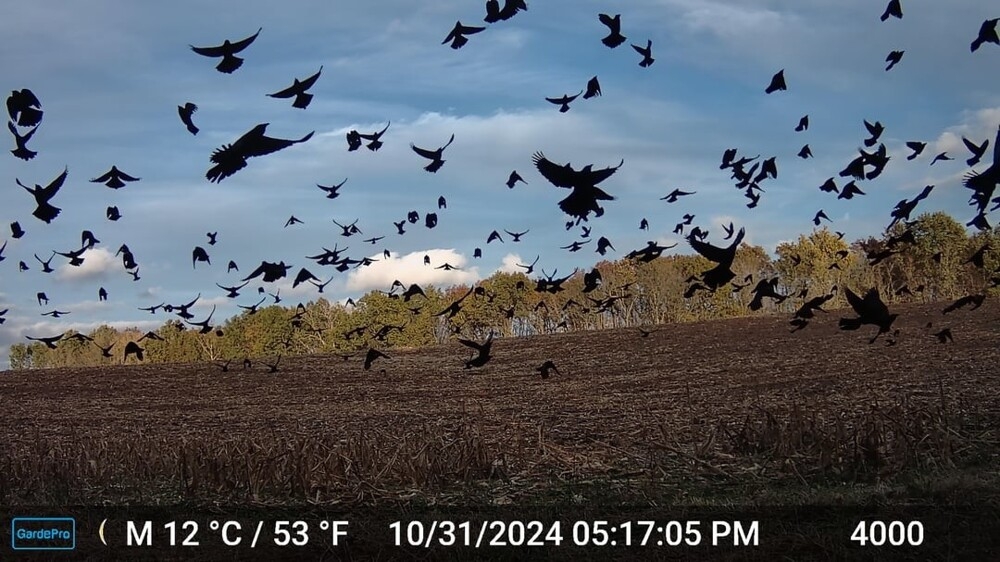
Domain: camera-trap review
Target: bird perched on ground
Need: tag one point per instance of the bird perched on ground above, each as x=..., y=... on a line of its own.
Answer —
x=482, y=349
x=614, y=37
x=232, y=158
x=186, y=112
x=777, y=83
x=893, y=59
x=21, y=149
x=227, y=51
x=593, y=88
x=514, y=178
x=298, y=90
x=44, y=211
x=894, y=9
x=24, y=108
x=563, y=102
x=870, y=310
x=433, y=155
x=114, y=178
x=646, y=52
x=987, y=34
x=457, y=35
x=585, y=195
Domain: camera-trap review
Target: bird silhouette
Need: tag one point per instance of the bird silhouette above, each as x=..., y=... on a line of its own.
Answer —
x=227, y=52
x=232, y=158
x=433, y=155
x=457, y=35
x=563, y=102
x=442, y=202
x=978, y=151
x=987, y=34
x=893, y=9
x=649, y=253
x=984, y=183
x=849, y=191
x=303, y=276
x=547, y=368
x=893, y=59
x=805, y=152
x=232, y=266
x=944, y=336
x=494, y=236
x=331, y=191
x=614, y=37
x=585, y=195
x=766, y=288
x=372, y=355
x=292, y=220
x=114, y=178
x=186, y=113
x=941, y=157
x=15, y=230
x=777, y=83
x=50, y=342
x=917, y=147
x=723, y=257
x=516, y=236
x=270, y=271
x=132, y=348
x=24, y=108
x=374, y=139
x=495, y=13
x=803, y=124
x=21, y=149
x=298, y=90
x=211, y=237
x=875, y=130
x=602, y=245
x=974, y=300
x=592, y=280
x=44, y=211
x=870, y=310
x=514, y=178
x=199, y=254
x=113, y=213
x=646, y=52
x=353, y=140
x=206, y=328
x=905, y=207
x=430, y=220
x=593, y=88
x=482, y=351
x=820, y=215
x=88, y=240
x=675, y=194
x=233, y=291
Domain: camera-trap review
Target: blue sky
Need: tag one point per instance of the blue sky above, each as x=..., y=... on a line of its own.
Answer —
x=110, y=74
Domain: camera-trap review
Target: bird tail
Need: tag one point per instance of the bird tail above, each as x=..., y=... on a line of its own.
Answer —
x=302, y=101
x=229, y=64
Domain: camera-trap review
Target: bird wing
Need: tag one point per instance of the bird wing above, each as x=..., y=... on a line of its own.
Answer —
x=855, y=301
x=607, y=20
x=50, y=190
x=428, y=154
x=223, y=50
x=715, y=253
x=595, y=177
x=125, y=177
x=267, y=145
x=974, y=148
x=474, y=345
x=559, y=176
x=467, y=30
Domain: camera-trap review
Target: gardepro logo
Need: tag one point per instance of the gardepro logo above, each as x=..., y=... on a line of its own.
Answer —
x=43, y=533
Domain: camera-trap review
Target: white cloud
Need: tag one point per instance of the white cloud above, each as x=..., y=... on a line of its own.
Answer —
x=410, y=268
x=97, y=264
x=509, y=264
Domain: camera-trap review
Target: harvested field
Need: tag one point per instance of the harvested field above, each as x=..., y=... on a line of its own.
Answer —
x=736, y=401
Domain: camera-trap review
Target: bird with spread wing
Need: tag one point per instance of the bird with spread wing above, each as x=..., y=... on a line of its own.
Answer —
x=583, y=200
x=232, y=158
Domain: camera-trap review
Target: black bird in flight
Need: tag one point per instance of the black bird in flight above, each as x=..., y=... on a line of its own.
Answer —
x=893, y=59
x=646, y=52
x=723, y=257
x=984, y=183
x=987, y=34
x=592, y=280
x=232, y=158
x=303, y=276
x=585, y=195
x=233, y=291
x=298, y=90
x=975, y=300
x=516, y=236
x=457, y=35
x=563, y=102
x=482, y=350
x=673, y=195
x=353, y=140
x=766, y=288
x=917, y=147
x=593, y=88
x=849, y=191
x=50, y=342
x=978, y=151
x=15, y=230
x=614, y=37
x=875, y=130
x=514, y=178
x=803, y=124
x=941, y=157
x=24, y=108
x=199, y=254
x=291, y=221
x=820, y=215
x=271, y=271
x=132, y=348
x=232, y=266
x=186, y=111
x=211, y=237
x=114, y=178
x=528, y=269
x=870, y=310
x=494, y=236
x=777, y=83
x=372, y=355
x=547, y=368
x=331, y=191
x=495, y=13
x=442, y=202
x=21, y=149
x=374, y=139
x=205, y=326
x=44, y=211
x=649, y=253
x=602, y=245
x=113, y=213
x=430, y=220
x=805, y=152
x=227, y=50
x=433, y=155
x=903, y=209
x=892, y=9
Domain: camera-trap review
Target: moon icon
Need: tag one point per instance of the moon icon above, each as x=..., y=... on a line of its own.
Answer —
x=100, y=532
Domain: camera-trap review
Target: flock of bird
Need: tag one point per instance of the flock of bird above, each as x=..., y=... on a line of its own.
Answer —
x=584, y=201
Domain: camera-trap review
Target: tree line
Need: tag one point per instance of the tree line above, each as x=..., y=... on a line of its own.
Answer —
x=927, y=260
